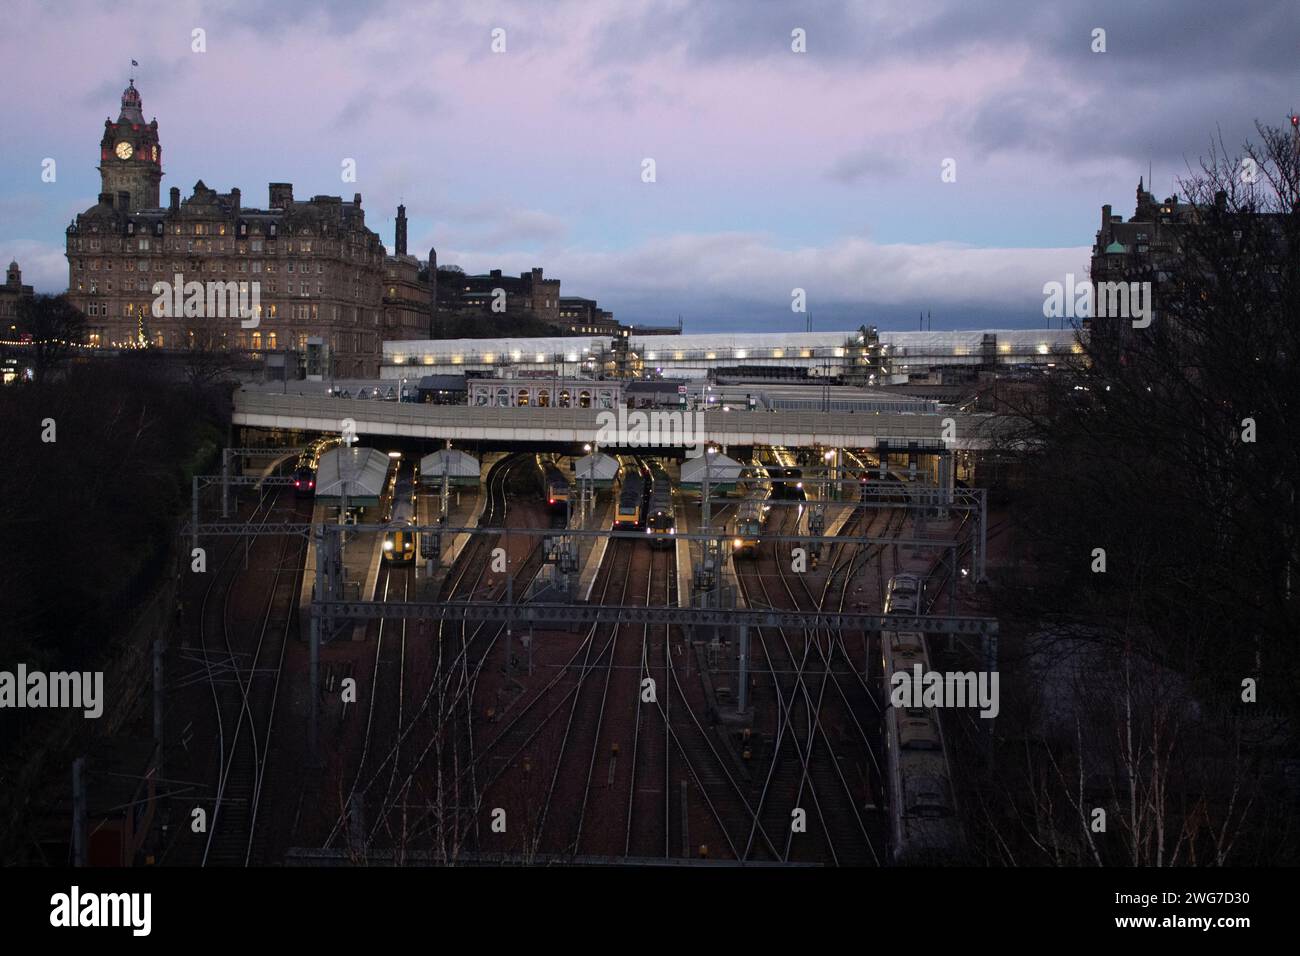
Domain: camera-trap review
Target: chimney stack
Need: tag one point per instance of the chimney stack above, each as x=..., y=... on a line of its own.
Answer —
x=175, y=204
x=399, y=240
x=281, y=195
x=433, y=289
x=123, y=200
x=1105, y=220
x=236, y=198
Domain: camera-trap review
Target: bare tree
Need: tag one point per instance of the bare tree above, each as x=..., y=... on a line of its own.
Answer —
x=56, y=327
x=1154, y=481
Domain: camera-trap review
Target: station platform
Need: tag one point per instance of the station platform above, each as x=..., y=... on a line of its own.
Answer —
x=465, y=510
x=599, y=517
x=838, y=514
x=688, y=519
x=361, y=551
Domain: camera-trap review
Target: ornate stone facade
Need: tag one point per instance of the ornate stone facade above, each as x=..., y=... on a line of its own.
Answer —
x=319, y=271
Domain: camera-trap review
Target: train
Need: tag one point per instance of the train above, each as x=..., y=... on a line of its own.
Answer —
x=787, y=483
x=555, y=486
x=903, y=594
x=752, y=518
x=923, y=824
x=304, y=473
x=632, y=499
x=660, y=521
x=399, y=542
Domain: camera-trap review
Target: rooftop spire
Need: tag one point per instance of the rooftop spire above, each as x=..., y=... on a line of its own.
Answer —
x=131, y=105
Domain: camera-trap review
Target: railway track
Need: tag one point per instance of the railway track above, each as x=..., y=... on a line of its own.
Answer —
x=648, y=819
x=823, y=709
x=244, y=709
x=575, y=761
x=447, y=717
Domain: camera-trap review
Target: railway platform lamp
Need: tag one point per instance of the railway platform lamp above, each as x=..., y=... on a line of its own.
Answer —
x=832, y=473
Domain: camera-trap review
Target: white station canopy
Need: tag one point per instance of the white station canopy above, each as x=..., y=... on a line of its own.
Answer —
x=359, y=473
x=719, y=468
x=598, y=468
x=460, y=467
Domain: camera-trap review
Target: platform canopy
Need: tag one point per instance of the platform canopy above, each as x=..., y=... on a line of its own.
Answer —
x=460, y=467
x=599, y=469
x=359, y=473
x=722, y=472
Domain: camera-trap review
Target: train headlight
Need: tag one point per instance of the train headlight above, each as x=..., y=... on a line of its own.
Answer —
x=737, y=543
x=388, y=546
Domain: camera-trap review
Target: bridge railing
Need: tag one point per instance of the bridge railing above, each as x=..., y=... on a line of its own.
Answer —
x=736, y=427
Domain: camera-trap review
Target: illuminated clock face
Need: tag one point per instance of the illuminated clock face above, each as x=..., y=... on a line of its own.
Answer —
x=124, y=150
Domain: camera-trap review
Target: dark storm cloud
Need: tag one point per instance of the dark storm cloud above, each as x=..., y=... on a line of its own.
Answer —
x=1157, y=38
x=1175, y=72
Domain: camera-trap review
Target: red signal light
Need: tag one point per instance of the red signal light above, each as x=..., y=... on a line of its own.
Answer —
x=297, y=483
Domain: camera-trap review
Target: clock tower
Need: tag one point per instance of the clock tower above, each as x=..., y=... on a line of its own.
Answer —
x=130, y=158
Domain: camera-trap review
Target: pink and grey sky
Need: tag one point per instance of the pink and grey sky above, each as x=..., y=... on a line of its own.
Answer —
x=775, y=169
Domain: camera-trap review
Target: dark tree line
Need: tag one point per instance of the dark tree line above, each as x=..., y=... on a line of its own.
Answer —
x=1175, y=450
x=56, y=328
x=89, y=519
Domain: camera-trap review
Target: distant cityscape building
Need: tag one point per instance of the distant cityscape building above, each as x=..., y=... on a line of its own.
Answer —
x=866, y=356
x=530, y=292
x=12, y=293
x=580, y=316
x=318, y=269
x=326, y=287
x=1143, y=249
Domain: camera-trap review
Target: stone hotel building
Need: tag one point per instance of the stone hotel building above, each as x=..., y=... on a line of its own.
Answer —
x=327, y=288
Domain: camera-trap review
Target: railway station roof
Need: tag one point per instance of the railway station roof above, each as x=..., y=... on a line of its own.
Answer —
x=719, y=468
x=598, y=467
x=458, y=465
x=358, y=472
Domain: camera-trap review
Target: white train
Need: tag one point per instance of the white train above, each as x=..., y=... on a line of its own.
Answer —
x=923, y=824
